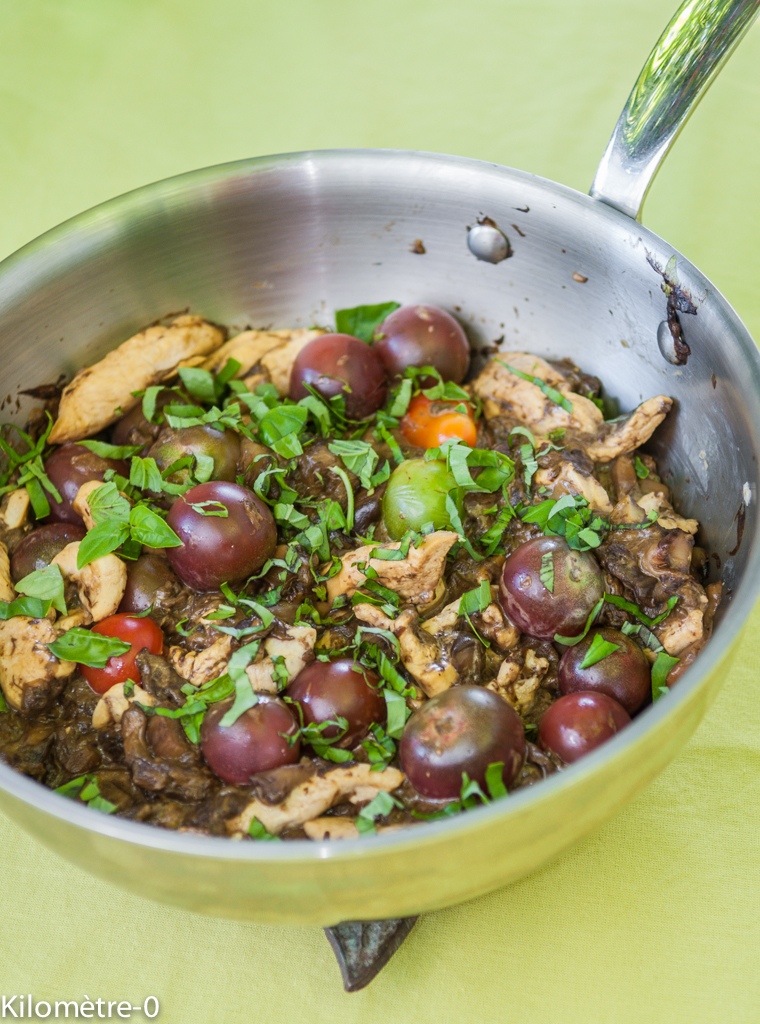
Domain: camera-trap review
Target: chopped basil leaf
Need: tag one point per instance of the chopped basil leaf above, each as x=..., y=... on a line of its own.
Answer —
x=85, y=788
x=111, y=451
x=599, y=649
x=571, y=641
x=495, y=780
x=198, y=383
x=641, y=470
x=359, y=457
x=46, y=584
x=88, y=648
x=245, y=698
x=257, y=831
x=145, y=474
x=3, y=704
x=149, y=528
x=546, y=572
x=281, y=422
x=633, y=609
x=663, y=663
x=101, y=540
x=397, y=713
x=349, y=515
x=32, y=607
x=210, y=508
x=476, y=600
x=361, y=321
x=106, y=504
x=378, y=807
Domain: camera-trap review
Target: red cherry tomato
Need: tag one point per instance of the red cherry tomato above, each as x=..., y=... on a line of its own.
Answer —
x=140, y=633
x=427, y=424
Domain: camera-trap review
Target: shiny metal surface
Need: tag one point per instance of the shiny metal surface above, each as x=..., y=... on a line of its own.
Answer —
x=287, y=240
x=678, y=72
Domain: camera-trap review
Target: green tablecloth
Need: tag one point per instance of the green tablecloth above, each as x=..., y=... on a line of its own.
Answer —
x=657, y=916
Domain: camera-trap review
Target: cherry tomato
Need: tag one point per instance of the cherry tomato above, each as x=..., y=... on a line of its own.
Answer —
x=217, y=547
x=339, y=364
x=427, y=424
x=223, y=446
x=140, y=633
x=256, y=742
x=423, y=336
x=70, y=466
x=463, y=729
x=146, y=576
x=39, y=548
x=326, y=690
x=580, y=722
x=416, y=494
x=547, y=588
x=623, y=674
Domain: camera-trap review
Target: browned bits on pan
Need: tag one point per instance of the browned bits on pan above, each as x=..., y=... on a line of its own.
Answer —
x=579, y=278
x=418, y=247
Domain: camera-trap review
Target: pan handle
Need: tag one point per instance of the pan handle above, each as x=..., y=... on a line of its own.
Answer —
x=678, y=72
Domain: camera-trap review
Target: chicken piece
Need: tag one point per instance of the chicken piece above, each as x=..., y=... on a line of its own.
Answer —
x=413, y=578
x=14, y=509
x=568, y=479
x=668, y=519
x=7, y=590
x=112, y=705
x=504, y=391
x=250, y=347
x=100, y=584
x=685, y=624
x=445, y=619
x=313, y=797
x=199, y=667
x=100, y=394
x=278, y=362
x=527, y=403
x=423, y=658
x=340, y=828
x=296, y=650
x=519, y=679
x=81, y=505
x=494, y=625
x=31, y=676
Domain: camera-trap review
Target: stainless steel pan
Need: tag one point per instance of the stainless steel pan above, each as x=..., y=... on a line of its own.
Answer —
x=284, y=240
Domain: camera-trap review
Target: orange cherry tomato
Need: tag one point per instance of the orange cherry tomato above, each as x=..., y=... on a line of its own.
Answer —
x=140, y=632
x=427, y=424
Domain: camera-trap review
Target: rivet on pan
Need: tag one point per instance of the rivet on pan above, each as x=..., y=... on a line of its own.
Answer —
x=486, y=242
x=666, y=344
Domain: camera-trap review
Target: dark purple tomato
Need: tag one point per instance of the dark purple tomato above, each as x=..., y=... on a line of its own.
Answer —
x=251, y=744
x=223, y=446
x=218, y=548
x=134, y=428
x=624, y=674
x=146, y=576
x=339, y=364
x=463, y=729
x=39, y=548
x=423, y=336
x=560, y=605
x=579, y=723
x=326, y=690
x=68, y=468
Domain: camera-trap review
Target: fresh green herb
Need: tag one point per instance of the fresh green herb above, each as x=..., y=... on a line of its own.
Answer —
x=551, y=393
x=245, y=698
x=4, y=707
x=47, y=584
x=86, y=789
x=145, y=474
x=571, y=641
x=476, y=600
x=469, y=796
x=546, y=572
x=663, y=663
x=379, y=807
x=379, y=747
x=349, y=514
x=88, y=648
x=568, y=517
x=359, y=457
x=32, y=607
x=280, y=422
x=641, y=470
x=599, y=649
x=633, y=609
x=495, y=780
x=147, y=527
x=101, y=540
x=111, y=451
x=210, y=508
x=361, y=321
x=651, y=517
x=399, y=400
x=492, y=536
x=106, y=504
x=257, y=831
x=199, y=384
x=555, y=436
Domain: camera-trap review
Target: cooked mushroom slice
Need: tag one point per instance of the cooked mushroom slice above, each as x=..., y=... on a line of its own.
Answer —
x=100, y=584
x=423, y=658
x=250, y=347
x=622, y=436
x=31, y=676
x=519, y=679
x=413, y=578
x=200, y=667
x=100, y=394
x=666, y=517
x=7, y=590
x=152, y=772
x=14, y=509
x=312, y=798
x=112, y=705
x=296, y=650
x=565, y=478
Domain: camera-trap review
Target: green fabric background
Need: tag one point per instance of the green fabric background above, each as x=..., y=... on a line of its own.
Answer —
x=657, y=916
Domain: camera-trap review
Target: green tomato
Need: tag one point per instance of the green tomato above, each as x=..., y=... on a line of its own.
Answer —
x=416, y=494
